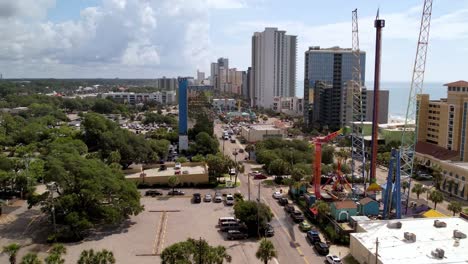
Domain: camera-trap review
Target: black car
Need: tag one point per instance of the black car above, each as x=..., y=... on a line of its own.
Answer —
x=196, y=198
x=297, y=216
x=321, y=248
x=313, y=236
x=175, y=192
x=153, y=193
x=268, y=230
x=289, y=208
x=236, y=234
x=283, y=201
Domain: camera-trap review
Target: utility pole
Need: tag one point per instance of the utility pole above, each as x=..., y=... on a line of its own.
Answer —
x=377, y=250
x=248, y=184
x=258, y=207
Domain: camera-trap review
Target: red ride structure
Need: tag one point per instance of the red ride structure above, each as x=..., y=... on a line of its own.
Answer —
x=318, y=141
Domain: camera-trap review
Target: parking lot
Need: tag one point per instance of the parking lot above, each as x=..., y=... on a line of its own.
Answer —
x=167, y=220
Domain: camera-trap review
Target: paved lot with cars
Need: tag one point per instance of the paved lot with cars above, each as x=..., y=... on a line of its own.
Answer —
x=167, y=220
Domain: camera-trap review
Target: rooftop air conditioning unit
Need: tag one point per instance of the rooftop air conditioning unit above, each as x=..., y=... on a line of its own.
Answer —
x=456, y=243
x=395, y=225
x=410, y=236
x=438, y=223
x=438, y=253
x=458, y=234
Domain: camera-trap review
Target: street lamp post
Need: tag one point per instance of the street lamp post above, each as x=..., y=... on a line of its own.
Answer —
x=235, y=162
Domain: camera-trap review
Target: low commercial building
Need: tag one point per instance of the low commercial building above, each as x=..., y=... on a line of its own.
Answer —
x=190, y=173
x=343, y=210
x=255, y=133
x=454, y=173
x=224, y=104
x=293, y=106
x=412, y=240
x=164, y=97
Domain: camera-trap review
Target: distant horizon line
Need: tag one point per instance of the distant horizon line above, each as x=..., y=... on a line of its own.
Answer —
x=139, y=78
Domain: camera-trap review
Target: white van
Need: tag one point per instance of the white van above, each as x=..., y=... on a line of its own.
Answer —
x=226, y=219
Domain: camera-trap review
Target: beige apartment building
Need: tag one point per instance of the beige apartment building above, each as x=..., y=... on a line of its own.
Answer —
x=442, y=136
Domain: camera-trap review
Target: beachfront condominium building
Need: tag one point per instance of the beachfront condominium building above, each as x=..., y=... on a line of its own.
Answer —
x=444, y=122
x=273, y=66
x=326, y=72
x=167, y=84
x=443, y=136
x=219, y=74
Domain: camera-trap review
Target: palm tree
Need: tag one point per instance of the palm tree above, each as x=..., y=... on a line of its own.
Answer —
x=218, y=254
x=404, y=186
x=101, y=257
x=450, y=186
x=173, y=181
x=418, y=189
x=55, y=254
x=266, y=251
x=437, y=175
x=455, y=207
x=30, y=258
x=11, y=250
x=436, y=197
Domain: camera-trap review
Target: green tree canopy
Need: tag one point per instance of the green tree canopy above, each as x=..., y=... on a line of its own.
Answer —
x=194, y=251
x=418, y=189
x=250, y=211
x=266, y=251
x=11, y=250
x=100, y=257
x=455, y=207
x=436, y=197
x=89, y=193
x=30, y=258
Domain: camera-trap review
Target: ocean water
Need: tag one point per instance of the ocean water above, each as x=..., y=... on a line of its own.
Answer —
x=398, y=95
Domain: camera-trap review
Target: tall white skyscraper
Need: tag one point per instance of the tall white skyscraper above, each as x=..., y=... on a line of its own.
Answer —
x=273, y=66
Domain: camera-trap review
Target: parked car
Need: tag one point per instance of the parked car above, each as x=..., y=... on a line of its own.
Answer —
x=313, y=236
x=277, y=195
x=153, y=193
x=207, y=198
x=283, y=201
x=424, y=177
x=333, y=259
x=236, y=234
x=297, y=216
x=227, y=219
x=226, y=226
x=268, y=230
x=218, y=198
x=196, y=198
x=175, y=192
x=259, y=176
x=233, y=140
x=229, y=199
x=289, y=208
x=321, y=248
x=178, y=166
x=304, y=226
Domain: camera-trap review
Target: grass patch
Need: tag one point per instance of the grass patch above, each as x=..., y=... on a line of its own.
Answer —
x=269, y=183
x=350, y=260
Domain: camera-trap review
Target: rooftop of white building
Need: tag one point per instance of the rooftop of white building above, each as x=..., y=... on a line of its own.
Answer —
x=394, y=248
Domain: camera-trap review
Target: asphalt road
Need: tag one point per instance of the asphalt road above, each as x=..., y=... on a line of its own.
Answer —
x=290, y=242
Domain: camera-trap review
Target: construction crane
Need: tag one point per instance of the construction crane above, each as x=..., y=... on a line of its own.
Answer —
x=358, y=156
x=410, y=136
x=318, y=141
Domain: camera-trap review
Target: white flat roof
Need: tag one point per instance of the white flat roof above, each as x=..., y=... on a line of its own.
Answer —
x=393, y=248
x=170, y=171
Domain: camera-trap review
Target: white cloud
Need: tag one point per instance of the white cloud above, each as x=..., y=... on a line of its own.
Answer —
x=118, y=35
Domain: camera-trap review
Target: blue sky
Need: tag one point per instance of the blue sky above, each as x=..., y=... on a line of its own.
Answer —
x=152, y=38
